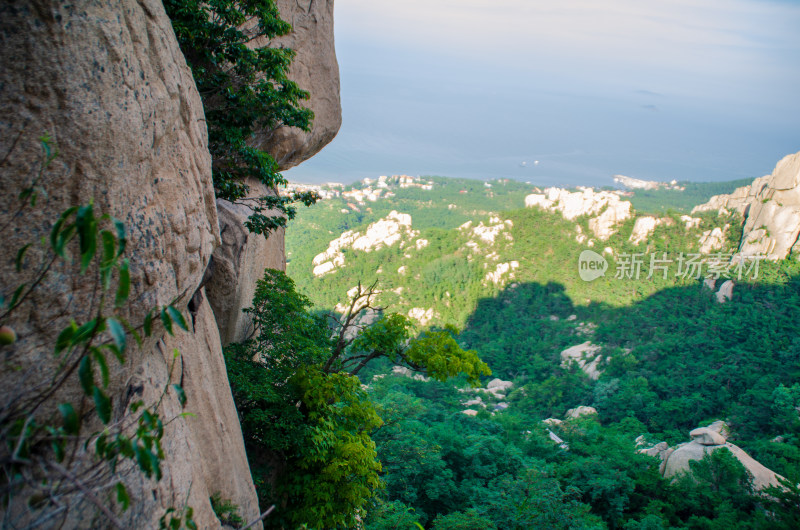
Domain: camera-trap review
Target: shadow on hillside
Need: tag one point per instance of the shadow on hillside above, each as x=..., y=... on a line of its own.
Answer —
x=671, y=360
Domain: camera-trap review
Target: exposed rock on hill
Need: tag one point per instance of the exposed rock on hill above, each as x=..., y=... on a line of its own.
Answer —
x=586, y=356
x=725, y=292
x=706, y=440
x=314, y=69
x=712, y=240
x=771, y=207
x=487, y=234
x=502, y=273
x=608, y=208
x=394, y=228
x=579, y=411
x=643, y=227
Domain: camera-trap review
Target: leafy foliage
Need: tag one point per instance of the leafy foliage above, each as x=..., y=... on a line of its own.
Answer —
x=672, y=358
x=244, y=89
x=307, y=421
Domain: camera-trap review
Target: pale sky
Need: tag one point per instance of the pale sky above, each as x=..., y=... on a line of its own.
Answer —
x=656, y=89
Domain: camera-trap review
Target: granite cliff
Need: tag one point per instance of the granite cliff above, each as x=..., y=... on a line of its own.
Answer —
x=771, y=210
x=108, y=83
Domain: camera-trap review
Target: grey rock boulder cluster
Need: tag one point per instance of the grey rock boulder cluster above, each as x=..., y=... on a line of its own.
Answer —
x=109, y=84
x=771, y=208
x=705, y=440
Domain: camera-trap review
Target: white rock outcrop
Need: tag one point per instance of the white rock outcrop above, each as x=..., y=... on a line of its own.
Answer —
x=607, y=207
x=771, y=207
x=581, y=410
x=386, y=232
x=725, y=292
x=586, y=356
x=503, y=272
x=690, y=222
x=706, y=440
x=642, y=228
x=487, y=233
x=712, y=240
x=423, y=316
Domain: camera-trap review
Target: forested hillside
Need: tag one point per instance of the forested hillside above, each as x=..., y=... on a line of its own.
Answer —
x=591, y=376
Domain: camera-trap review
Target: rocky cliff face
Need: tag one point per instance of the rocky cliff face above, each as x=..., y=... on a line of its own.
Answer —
x=608, y=209
x=314, y=69
x=241, y=259
x=108, y=83
x=771, y=207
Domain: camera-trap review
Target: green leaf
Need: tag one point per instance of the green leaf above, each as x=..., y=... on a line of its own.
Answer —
x=148, y=324
x=87, y=331
x=16, y=296
x=181, y=394
x=56, y=240
x=86, y=375
x=100, y=358
x=124, y=287
x=21, y=256
x=109, y=247
x=117, y=333
x=122, y=496
x=122, y=237
x=132, y=331
x=103, y=405
x=166, y=320
x=72, y=424
x=58, y=449
x=64, y=339
x=117, y=353
x=87, y=233
x=177, y=316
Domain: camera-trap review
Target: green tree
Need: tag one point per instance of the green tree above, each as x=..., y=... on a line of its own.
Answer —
x=306, y=421
x=244, y=89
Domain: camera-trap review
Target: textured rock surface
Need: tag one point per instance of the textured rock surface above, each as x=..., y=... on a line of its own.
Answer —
x=712, y=240
x=725, y=292
x=582, y=410
x=214, y=432
x=237, y=264
x=314, y=69
x=705, y=440
x=771, y=207
x=107, y=81
x=586, y=356
x=642, y=229
x=392, y=229
x=606, y=206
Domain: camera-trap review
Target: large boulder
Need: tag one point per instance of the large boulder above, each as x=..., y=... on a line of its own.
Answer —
x=706, y=440
x=108, y=83
x=587, y=356
x=314, y=69
x=771, y=207
x=237, y=264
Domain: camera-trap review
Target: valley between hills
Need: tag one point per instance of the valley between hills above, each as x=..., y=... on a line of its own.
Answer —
x=605, y=395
